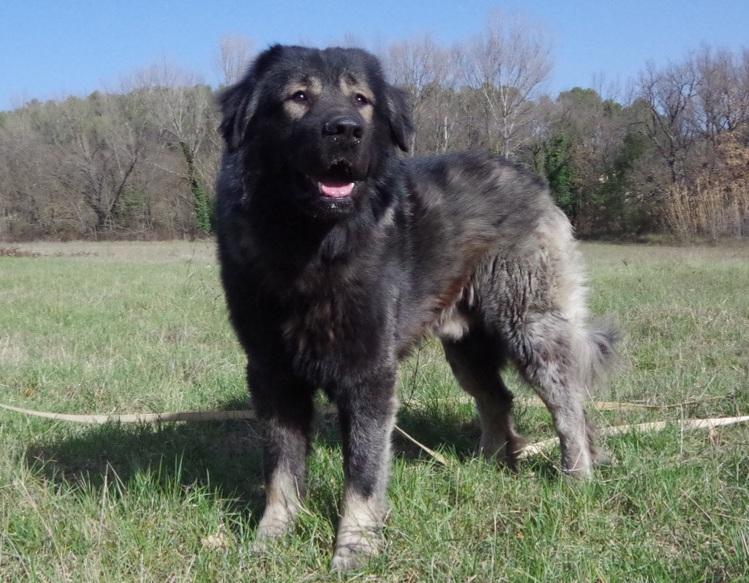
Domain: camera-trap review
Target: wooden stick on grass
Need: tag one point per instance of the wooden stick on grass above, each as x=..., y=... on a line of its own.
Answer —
x=547, y=444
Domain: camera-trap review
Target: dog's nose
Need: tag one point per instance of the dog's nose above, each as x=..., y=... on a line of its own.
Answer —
x=343, y=126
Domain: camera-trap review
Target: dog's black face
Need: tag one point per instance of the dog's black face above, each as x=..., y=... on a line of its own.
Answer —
x=324, y=121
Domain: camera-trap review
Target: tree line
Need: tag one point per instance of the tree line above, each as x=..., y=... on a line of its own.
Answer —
x=669, y=154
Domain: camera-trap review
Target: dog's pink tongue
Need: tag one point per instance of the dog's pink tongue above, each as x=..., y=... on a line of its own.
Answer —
x=336, y=189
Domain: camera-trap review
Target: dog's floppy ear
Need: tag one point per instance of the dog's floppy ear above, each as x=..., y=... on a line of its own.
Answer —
x=238, y=105
x=239, y=102
x=399, y=117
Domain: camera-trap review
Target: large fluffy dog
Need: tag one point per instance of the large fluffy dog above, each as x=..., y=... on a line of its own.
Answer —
x=337, y=256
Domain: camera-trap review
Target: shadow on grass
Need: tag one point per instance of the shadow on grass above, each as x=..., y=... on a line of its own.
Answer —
x=444, y=430
x=223, y=456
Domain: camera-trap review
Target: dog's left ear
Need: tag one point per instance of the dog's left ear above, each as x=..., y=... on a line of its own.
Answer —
x=399, y=117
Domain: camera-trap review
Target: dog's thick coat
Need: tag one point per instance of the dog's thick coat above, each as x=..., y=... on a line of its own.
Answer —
x=337, y=256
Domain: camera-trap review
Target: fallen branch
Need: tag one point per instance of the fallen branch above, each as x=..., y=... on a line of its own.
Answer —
x=547, y=444
x=599, y=405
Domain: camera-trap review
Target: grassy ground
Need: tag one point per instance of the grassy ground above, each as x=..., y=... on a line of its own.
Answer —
x=142, y=327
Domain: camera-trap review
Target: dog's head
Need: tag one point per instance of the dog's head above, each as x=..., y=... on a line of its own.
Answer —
x=324, y=120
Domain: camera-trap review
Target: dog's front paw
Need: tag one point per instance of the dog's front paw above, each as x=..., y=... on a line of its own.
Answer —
x=264, y=538
x=276, y=522
x=354, y=548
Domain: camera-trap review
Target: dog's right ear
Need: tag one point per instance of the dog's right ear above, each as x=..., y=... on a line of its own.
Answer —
x=237, y=107
x=399, y=117
x=239, y=102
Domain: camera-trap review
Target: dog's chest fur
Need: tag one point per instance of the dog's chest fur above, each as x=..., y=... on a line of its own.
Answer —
x=337, y=314
x=321, y=320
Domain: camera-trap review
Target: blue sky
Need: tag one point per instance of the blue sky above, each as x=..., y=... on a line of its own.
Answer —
x=49, y=49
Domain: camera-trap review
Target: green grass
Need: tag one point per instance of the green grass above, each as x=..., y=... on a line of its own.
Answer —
x=142, y=327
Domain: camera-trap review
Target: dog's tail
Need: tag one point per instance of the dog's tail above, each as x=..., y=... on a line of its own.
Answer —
x=598, y=352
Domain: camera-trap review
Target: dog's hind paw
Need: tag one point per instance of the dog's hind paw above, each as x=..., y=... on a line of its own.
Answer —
x=502, y=448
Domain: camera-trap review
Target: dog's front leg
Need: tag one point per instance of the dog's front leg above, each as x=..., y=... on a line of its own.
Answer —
x=284, y=407
x=367, y=415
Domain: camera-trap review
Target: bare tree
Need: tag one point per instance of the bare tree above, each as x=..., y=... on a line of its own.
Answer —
x=424, y=69
x=99, y=142
x=507, y=63
x=140, y=160
x=668, y=94
x=28, y=205
x=719, y=103
x=740, y=90
x=182, y=110
x=233, y=58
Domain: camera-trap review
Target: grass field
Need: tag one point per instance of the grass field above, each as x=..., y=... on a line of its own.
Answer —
x=135, y=327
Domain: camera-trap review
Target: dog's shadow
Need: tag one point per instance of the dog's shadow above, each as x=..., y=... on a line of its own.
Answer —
x=222, y=456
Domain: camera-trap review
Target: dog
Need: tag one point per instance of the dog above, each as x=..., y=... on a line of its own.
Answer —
x=338, y=255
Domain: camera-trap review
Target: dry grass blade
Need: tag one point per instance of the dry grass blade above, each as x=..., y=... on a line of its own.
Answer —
x=435, y=455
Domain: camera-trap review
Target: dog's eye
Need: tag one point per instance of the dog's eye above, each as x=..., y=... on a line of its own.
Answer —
x=361, y=99
x=300, y=96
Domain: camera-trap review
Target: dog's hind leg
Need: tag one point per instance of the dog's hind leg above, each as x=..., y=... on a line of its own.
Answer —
x=475, y=360
x=284, y=407
x=544, y=349
x=367, y=416
x=536, y=299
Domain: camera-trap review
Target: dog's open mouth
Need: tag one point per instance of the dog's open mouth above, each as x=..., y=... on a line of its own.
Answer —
x=338, y=181
x=335, y=189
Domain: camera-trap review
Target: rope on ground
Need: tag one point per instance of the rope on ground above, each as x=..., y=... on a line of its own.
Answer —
x=142, y=418
x=530, y=450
